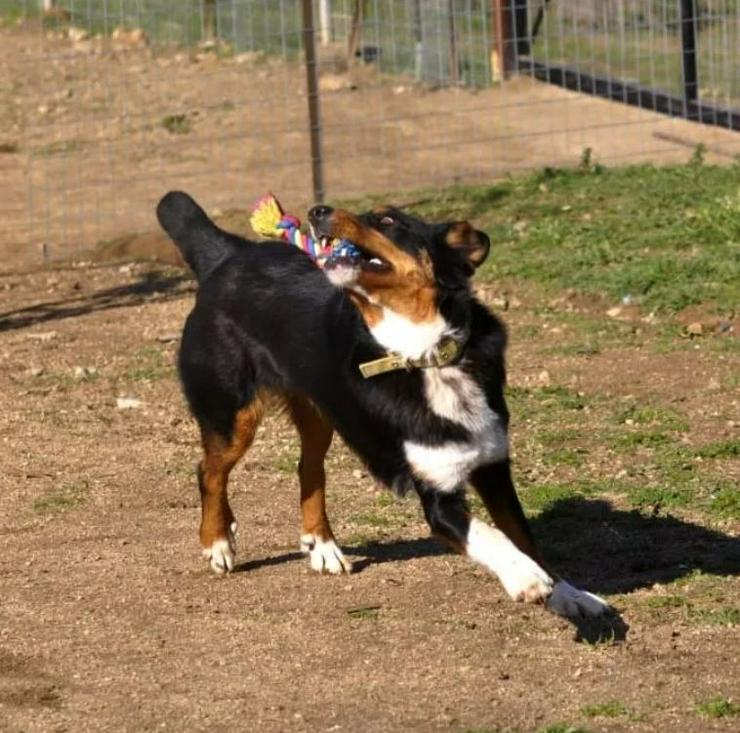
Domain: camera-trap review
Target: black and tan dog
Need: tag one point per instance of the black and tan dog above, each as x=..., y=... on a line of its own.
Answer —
x=390, y=349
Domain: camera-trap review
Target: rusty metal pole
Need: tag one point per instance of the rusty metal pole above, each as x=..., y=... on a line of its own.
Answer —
x=314, y=114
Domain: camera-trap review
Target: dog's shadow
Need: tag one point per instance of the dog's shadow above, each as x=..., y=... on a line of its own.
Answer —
x=594, y=546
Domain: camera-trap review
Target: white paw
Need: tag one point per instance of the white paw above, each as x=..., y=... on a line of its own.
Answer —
x=221, y=553
x=325, y=556
x=525, y=580
x=570, y=602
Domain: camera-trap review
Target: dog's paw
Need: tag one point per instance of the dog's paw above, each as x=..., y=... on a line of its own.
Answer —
x=565, y=600
x=222, y=552
x=525, y=580
x=324, y=555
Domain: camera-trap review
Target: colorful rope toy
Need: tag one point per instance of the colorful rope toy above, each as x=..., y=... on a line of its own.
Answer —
x=270, y=221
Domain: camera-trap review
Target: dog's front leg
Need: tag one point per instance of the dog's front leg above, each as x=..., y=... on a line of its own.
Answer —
x=495, y=487
x=449, y=518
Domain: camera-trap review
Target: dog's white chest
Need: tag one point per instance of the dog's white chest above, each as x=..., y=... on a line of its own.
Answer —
x=454, y=395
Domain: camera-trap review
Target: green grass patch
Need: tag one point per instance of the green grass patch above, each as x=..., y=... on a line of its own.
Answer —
x=666, y=236
x=605, y=710
x=725, y=501
x=718, y=707
x=659, y=496
x=61, y=500
x=562, y=728
x=370, y=518
x=178, y=124
x=148, y=365
x=720, y=449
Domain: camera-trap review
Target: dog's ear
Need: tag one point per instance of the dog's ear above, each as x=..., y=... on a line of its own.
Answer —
x=471, y=243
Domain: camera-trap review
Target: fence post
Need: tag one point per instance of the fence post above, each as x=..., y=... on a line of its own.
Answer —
x=209, y=20
x=503, y=55
x=314, y=115
x=688, y=54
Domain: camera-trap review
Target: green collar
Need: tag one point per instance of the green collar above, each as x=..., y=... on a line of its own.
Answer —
x=446, y=352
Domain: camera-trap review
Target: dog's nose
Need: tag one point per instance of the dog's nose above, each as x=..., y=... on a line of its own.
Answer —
x=319, y=214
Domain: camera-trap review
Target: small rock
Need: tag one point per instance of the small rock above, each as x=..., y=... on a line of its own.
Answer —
x=334, y=83
x=249, y=57
x=357, y=473
x=81, y=373
x=36, y=371
x=544, y=379
x=695, y=329
x=714, y=384
x=43, y=336
x=128, y=403
x=77, y=34
x=614, y=312
x=166, y=338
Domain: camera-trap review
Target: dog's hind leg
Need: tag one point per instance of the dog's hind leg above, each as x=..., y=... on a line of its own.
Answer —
x=220, y=455
x=495, y=487
x=317, y=539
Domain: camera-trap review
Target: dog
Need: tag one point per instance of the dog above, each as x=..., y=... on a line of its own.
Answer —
x=391, y=349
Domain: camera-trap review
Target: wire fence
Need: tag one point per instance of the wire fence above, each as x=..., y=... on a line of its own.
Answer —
x=106, y=104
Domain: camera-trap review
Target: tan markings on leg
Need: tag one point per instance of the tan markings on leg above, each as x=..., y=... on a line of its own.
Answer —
x=317, y=538
x=316, y=434
x=220, y=456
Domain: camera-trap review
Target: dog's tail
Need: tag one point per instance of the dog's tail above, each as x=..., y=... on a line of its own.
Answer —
x=203, y=245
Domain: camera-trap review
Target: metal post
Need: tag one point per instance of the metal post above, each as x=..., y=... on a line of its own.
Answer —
x=688, y=53
x=325, y=21
x=312, y=84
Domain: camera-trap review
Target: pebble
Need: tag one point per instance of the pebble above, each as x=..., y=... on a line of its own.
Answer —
x=128, y=403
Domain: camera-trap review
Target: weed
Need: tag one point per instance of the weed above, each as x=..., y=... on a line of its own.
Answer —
x=178, y=124
x=148, y=366
x=718, y=707
x=61, y=500
x=605, y=710
x=562, y=728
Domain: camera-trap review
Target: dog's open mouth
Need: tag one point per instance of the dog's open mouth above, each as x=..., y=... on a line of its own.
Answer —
x=343, y=253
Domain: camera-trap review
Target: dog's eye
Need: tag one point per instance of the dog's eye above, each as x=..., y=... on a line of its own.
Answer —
x=386, y=221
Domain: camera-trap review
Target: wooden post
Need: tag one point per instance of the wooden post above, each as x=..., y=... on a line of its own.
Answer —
x=503, y=53
x=314, y=115
x=209, y=20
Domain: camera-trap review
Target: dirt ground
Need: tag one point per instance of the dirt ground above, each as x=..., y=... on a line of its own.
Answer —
x=110, y=621
x=92, y=134
x=109, y=618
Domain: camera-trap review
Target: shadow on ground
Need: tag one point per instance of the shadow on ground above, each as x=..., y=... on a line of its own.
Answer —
x=593, y=545
x=150, y=287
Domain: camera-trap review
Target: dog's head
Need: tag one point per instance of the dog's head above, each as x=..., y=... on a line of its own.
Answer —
x=404, y=262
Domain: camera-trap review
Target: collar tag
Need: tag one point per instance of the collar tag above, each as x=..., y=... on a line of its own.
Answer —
x=389, y=363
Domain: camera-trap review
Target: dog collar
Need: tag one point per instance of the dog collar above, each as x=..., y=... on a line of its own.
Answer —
x=444, y=353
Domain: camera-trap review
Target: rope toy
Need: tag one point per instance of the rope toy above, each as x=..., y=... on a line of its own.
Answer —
x=270, y=221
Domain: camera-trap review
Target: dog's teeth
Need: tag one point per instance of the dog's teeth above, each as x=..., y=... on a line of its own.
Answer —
x=376, y=261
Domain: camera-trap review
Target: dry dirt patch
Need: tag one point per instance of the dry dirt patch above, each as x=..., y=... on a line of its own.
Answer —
x=110, y=621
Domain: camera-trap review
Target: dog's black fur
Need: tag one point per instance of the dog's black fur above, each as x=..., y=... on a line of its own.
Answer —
x=267, y=319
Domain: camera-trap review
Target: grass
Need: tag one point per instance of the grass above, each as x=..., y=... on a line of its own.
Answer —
x=148, y=365
x=718, y=707
x=61, y=500
x=605, y=710
x=668, y=237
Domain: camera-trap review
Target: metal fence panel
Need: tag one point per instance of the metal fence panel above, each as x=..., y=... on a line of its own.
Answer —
x=108, y=103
